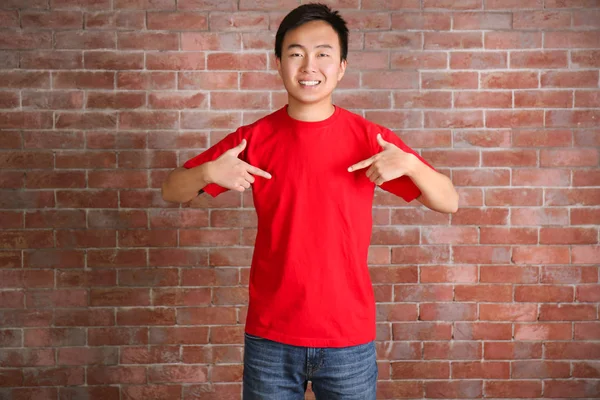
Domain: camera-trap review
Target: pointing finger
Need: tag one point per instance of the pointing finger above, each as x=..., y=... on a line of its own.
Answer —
x=257, y=171
x=362, y=164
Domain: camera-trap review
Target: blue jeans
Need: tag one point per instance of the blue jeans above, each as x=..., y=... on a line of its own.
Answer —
x=277, y=371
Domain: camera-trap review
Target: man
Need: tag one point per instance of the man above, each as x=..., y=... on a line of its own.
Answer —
x=313, y=168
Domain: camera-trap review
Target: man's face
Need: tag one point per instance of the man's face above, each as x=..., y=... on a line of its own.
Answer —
x=310, y=63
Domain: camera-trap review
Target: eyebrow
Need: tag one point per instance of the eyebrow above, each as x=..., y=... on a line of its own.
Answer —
x=327, y=46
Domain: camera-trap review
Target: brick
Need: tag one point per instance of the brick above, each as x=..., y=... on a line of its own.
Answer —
x=580, y=388
x=513, y=388
x=26, y=40
x=421, y=370
x=585, y=59
x=9, y=100
x=57, y=298
x=585, y=369
x=121, y=297
x=147, y=41
x=91, y=393
x=417, y=60
x=535, y=20
x=26, y=318
x=394, y=79
x=115, y=20
x=395, y=119
x=420, y=254
x=220, y=41
x=54, y=337
x=540, y=369
x=130, y=80
x=543, y=99
x=390, y=4
x=87, y=317
x=481, y=254
x=509, y=158
x=9, y=60
x=453, y=389
x=420, y=21
x=570, y=79
x=514, y=119
x=566, y=39
x=179, y=373
x=452, y=40
x=481, y=370
x=11, y=337
x=587, y=98
x=416, y=99
x=150, y=355
x=507, y=312
x=239, y=21
x=9, y=18
x=544, y=293
x=541, y=331
x=567, y=312
x=179, y=335
x=474, y=216
x=453, y=119
x=572, y=118
x=585, y=216
x=148, y=120
x=539, y=59
x=512, y=351
x=63, y=376
x=571, y=351
x=35, y=393
x=115, y=374
x=177, y=21
x=482, y=331
x=156, y=392
x=393, y=40
x=27, y=358
x=25, y=79
x=478, y=60
x=482, y=20
x=512, y=40
x=449, y=80
x=452, y=5
x=52, y=20
x=87, y=199
x=117, y=336
x=25, y=120
x=158, y=316
x=85, y=40
x=25, y=239
x=586, y=330
x=87, y=356
x=57, y=59
x=145, y=4
x=181, y=100
x=12, y=299
x=207, y=316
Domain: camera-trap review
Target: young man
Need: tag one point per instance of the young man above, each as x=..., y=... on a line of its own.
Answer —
x=313, y=168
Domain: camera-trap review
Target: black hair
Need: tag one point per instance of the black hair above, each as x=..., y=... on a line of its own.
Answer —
x=313, y=12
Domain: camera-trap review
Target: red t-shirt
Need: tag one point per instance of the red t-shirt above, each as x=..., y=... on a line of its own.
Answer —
x=309, y=280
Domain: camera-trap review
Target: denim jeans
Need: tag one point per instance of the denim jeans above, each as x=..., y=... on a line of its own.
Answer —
x=277, y=371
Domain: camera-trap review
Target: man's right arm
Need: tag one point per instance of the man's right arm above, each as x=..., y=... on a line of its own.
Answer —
x=228, y=171
x=183, y=185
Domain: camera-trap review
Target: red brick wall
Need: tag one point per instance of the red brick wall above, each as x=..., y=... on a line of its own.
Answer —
x=107, y=291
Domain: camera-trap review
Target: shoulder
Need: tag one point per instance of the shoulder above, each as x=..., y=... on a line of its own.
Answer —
x=263, y=124
x=360, y=122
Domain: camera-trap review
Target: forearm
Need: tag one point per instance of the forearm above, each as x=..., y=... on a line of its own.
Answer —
x=437, y=190
x=183, y=185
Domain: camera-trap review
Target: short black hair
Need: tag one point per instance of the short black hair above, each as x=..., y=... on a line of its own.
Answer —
x=313, y=12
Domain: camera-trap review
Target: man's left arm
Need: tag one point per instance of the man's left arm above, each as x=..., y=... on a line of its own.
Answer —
x=437, y=191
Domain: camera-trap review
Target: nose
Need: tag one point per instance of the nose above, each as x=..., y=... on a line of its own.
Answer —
x=309, y=64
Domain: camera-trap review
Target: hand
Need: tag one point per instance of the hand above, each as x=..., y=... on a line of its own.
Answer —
x=387, y=165
x=230, y=172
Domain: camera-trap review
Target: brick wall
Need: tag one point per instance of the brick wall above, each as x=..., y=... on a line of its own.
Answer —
x=107, y=292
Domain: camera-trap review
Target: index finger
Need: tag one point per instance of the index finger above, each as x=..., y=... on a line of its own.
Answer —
x=362, y=164
x=257, y=171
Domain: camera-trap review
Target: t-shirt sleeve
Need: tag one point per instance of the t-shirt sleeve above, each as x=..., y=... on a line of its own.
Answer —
x=402, y=186
x=211, y=154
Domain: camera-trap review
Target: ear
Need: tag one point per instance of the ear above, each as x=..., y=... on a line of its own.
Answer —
x=278, y=63
x=343, y=65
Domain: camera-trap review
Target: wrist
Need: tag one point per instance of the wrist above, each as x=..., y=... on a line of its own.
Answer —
x=206, y=172
x=414, y=165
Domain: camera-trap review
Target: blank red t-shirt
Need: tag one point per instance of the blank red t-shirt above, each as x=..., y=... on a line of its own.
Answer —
x=309, y=280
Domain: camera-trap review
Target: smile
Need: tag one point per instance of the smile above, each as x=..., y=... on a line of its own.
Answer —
x=309, y=83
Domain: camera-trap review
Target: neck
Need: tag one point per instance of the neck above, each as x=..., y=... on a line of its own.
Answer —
x=310, y=112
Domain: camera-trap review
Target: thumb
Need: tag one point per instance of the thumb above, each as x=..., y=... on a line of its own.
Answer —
x=382, y=142
x=239, y=148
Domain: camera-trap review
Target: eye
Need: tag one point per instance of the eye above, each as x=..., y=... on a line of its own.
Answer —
x=295, y=55
x=323, y=55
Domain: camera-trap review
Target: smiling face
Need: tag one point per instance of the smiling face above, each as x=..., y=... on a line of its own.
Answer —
x=311, y=67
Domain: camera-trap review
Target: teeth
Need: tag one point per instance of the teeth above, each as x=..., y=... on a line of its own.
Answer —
x=309, y=83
